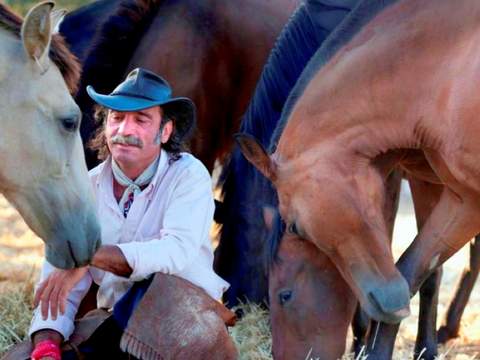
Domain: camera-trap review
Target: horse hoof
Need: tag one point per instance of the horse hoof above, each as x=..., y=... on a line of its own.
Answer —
x=444, y=334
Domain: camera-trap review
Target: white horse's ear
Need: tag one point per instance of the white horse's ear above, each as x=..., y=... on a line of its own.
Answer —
x=56, y=17
x=37, y=33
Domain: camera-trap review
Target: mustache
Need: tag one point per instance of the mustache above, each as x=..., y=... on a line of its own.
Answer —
x=127, y=140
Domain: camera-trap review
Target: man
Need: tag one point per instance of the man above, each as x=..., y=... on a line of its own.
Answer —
x=155, y=207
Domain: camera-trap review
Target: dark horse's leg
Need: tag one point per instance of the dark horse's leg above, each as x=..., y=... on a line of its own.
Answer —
x=381, y=340
x=426, y=344
x=425, y=197
x=360, y=325
x=448, y=228
x=455, y=311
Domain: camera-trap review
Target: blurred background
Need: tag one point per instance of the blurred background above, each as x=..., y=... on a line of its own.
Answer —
x=22, y=6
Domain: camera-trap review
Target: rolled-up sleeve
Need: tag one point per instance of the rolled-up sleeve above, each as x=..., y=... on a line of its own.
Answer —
x=63, y=323
x=185, y=227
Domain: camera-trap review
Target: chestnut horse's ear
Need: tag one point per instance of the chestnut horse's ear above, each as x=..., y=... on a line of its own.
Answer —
x=256, y=154
x=37, y=33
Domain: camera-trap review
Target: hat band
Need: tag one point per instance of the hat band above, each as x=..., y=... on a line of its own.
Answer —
x=133, y=95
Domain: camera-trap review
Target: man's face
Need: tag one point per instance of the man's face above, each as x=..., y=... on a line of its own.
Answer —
x=132, y=136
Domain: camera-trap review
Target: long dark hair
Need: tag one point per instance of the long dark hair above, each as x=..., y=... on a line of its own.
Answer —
x=98, y=143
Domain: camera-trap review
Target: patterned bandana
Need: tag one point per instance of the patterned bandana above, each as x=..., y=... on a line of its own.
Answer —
x=133, y=186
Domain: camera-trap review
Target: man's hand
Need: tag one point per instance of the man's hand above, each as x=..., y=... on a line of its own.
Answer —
x=53, y=292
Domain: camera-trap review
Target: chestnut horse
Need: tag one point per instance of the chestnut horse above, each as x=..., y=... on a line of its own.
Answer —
x=326, y=169
x=311, y=306
x=211, y=51
x=43, y=172
x=243, y=236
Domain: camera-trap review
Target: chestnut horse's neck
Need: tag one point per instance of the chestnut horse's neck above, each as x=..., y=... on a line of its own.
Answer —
x=395, y=86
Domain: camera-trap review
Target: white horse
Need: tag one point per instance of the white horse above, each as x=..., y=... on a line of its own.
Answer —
x=42, y=165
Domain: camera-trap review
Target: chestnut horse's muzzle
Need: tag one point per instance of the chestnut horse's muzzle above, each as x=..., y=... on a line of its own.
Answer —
x=392, y=301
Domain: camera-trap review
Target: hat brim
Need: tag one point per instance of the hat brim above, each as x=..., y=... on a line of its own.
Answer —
x=181, y=108
x=130, y=103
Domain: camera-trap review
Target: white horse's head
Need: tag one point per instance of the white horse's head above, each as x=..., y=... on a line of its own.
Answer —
x=42, y=165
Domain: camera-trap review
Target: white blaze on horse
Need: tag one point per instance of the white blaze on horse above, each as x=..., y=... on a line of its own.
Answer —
x=42, y=166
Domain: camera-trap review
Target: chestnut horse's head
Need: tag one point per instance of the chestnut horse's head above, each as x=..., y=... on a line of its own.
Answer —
x=311, y=306
x=342, y=216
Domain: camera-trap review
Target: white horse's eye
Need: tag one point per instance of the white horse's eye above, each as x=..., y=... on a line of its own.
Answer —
x=71, y=124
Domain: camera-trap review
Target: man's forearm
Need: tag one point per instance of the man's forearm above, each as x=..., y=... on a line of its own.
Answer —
x=110, y=258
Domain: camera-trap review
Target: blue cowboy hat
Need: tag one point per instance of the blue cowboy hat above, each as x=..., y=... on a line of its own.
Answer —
x=143, y=89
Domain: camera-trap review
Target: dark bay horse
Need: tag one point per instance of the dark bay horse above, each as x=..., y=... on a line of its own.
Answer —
x=327, y=150
x=211, y=51
x=80, y=26
x=240, y=256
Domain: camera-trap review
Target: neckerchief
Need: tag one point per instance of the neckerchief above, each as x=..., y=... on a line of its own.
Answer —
x=133, y=187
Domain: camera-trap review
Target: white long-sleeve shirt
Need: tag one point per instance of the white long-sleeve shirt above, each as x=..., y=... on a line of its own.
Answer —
x=166, y=230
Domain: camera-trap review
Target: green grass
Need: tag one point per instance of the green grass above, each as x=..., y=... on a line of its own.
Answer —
x=21, y=6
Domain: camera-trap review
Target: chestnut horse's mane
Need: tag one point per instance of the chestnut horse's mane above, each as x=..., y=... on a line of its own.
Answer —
x=66, y=62
x=361, y=14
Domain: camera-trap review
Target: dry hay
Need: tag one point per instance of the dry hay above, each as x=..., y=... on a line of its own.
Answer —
x=251, y=334
x=15, y=314
x=21, y=254
x=252, y=338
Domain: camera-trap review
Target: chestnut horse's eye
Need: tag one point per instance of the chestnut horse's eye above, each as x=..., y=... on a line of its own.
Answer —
x=285, y=296
x=292, y=229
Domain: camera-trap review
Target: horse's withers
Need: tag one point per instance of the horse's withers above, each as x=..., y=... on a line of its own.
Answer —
x=43, y=171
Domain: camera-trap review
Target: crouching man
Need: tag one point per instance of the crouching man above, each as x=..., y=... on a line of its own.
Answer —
x=155, y=207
